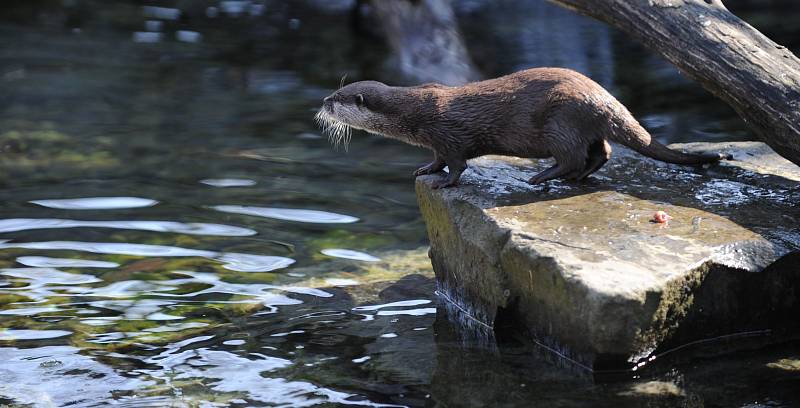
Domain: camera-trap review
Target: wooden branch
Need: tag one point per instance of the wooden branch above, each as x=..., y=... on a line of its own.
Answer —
x=757, y=77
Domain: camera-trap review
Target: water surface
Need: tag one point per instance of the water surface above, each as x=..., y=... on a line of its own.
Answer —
x=174, y=231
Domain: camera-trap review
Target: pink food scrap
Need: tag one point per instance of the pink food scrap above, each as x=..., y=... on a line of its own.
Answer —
x=661, y=217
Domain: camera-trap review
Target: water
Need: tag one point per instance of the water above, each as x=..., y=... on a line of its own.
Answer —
x=176, y=232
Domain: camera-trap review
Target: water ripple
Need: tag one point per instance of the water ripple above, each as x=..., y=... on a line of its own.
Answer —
x=29, y=311
x=349, y=254
x=138, y=309
x=229, y=182
x=253, y=263
x=402, y=303
x=409, y=312
x=228, y=372
x=24, y=224
x=96, y=203
x=15, y=335
x=259, y=290
x=288, y=214
x=232, y=261
x=125, y=289
x=49, y=276
x=173, y=327
x=112, y=248
x=46, y=262
x=27, y=380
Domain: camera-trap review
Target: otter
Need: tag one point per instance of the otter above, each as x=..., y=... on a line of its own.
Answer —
x=535, y=113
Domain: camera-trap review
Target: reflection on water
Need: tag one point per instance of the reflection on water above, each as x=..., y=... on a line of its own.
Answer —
x=58, y=375
x=349, y=254
x=288, y=214
x=96, y=203
x=230, y=260
x=22, y=224
x=43, y=261
x=229, y=182
x=44, y=276
x=201, y=245
x=163, y=13
x=16, y=335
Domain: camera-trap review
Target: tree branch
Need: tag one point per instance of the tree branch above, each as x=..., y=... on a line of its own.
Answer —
x=757, y=77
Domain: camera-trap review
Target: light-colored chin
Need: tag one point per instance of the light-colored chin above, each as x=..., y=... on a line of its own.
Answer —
x=338, y=131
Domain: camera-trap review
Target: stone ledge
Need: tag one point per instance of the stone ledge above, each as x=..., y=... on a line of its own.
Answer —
x=580, y=266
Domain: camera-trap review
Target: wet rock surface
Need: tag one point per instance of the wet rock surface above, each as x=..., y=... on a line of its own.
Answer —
x=580, y=267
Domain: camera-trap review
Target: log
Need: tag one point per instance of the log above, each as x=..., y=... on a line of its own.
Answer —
x=757, y=77
x=424, y=36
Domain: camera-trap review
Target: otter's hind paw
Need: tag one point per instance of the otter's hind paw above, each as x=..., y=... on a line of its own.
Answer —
x=443, y=184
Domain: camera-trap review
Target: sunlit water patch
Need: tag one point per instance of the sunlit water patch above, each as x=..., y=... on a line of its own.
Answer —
x=410, y=312
x=396, y=309
x=124, y=289
x=152, y=330
x=47, y=262
x=341, y=282
x=253, y=263
x=23, y=224
x=229, y=182
x=96, y=203
x=233, y=261
x=163, y=13
x=22, y=334
x=248, y=376
x=350, y=254
x=402, y=303
x=146, y=37
x=60, y=376
x=49, y=276
x=28, y=311
x=188, y=36
x=175, y=327
x=138, y=309
x=257, y=290
x=289, y=214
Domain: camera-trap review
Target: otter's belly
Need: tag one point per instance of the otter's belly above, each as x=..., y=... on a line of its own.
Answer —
x=519, y=145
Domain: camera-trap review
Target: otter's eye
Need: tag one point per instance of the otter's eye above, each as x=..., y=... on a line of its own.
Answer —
x=360, y=100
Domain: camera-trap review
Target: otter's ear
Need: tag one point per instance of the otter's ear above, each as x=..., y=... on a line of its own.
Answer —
x=360, y=100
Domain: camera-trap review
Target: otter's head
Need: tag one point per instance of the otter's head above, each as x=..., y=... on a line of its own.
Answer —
x=360, y=105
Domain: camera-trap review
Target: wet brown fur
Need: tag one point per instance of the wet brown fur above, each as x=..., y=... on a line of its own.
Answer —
x=536, y=113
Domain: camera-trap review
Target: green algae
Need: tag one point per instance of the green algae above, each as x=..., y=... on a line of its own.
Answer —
x=9, y=298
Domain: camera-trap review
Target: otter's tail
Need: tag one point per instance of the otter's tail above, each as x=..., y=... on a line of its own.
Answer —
x=626, y=130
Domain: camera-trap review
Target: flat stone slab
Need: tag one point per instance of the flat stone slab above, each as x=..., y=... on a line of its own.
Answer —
x=580, y=267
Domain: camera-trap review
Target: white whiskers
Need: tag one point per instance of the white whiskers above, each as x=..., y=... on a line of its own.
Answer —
x=339, y=133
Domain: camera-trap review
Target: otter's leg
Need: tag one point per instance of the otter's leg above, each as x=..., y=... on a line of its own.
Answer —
x=553, y=172
x=435, y=166
x=456, y=167
x=599, y=153
x=566, y=145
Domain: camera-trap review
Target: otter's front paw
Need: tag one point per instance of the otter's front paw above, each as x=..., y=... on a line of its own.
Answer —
x=427, y=169
x=536, y=180
x=422, y=171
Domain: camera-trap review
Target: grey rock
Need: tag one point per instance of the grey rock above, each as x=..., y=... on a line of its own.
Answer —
x=581, y=269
